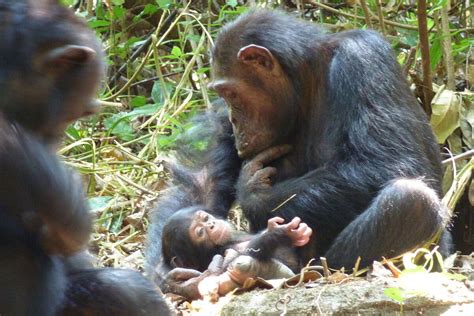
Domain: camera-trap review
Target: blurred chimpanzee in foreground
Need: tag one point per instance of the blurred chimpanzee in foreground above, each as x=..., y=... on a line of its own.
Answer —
x=323, y=127
x=50, y=68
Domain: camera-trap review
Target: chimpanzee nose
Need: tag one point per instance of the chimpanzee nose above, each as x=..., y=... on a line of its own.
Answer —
x=210, y=224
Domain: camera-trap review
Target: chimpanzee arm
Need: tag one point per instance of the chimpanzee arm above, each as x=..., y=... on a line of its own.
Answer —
x=40, y=193
x=263, y=246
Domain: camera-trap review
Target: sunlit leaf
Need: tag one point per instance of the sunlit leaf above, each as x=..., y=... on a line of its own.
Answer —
x=176, y=52
x=395, y=294
x=138, y=101
x=164, y=4
x=232, y=3
x=445, y=116
x=98, y=202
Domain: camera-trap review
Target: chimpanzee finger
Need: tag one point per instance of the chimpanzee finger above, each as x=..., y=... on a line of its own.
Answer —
x=303, y=236
x=181, y=274
x=262, y=176
x=216, y=264
x=294, y=223
x=274, y=221
x=271, y=154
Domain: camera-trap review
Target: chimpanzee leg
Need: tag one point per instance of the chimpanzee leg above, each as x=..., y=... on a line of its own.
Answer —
x=404, y=213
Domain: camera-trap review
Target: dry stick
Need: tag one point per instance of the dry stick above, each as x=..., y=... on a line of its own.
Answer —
x=324, y=263
x=467, y=154
x=366, y=13
x=447, y=47
x=410, y=60
x=381, y=19
x=396, y=24
x=425, y=56
x=90, y=7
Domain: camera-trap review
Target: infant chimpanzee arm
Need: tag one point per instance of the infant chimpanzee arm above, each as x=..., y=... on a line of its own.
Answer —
x=277, y=235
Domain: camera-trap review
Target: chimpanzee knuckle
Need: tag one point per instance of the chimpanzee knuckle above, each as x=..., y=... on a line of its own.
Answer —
x=268, y=172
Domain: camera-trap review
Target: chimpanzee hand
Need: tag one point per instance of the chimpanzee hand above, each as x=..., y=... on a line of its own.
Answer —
x=298, y=232
x=254, y=176
x=182, y=282
x=185, y=282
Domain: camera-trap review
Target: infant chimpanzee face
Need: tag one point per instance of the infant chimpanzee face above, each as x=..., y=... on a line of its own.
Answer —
x=209, y=231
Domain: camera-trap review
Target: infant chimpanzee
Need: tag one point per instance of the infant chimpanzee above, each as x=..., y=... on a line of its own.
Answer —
x=193, y=239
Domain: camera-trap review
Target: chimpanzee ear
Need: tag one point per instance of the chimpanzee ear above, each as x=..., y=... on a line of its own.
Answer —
x=61, y=59
x=257, y=55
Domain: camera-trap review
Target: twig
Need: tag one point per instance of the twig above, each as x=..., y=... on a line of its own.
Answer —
x=425, y=56
x=381, y=19
x=366, y=13
x=447, y=48
x=283, y=203
x=324, y=263
x=467, y=154
x=410, y=60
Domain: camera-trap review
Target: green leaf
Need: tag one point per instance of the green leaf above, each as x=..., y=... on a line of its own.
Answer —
x=98, y=23
x=119, y=12
x=98, y=202
x=203, y=70
x=117, y=2
x=157, y=92
x=68, y=2
x=445, y=117
x=232, y=3
x=454, y=276
x=395, y=294
x=116, y=223
x=145, y=110
x=119, y=125
x=435, y=53
x=150, y=9
x=138, y=101
x=73, y=132
x=176, y=52
x=164, y=4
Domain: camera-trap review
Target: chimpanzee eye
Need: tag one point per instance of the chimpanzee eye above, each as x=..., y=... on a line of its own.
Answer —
x=200, y=232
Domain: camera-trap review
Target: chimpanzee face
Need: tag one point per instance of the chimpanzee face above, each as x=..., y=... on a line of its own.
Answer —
x=259, y=98
x=206, y=230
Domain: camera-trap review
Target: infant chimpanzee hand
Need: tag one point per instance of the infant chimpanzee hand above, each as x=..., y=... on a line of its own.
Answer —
x=299, y=232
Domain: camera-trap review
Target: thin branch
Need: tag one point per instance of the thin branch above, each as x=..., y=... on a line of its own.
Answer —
x=467, y=154
x=409, y=61
x=366, y=13
x=425, y=56
x=380, y=14
x=447, y=48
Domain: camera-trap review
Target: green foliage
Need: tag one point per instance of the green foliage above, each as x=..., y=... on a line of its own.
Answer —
x=98, y=202
x=396, y=294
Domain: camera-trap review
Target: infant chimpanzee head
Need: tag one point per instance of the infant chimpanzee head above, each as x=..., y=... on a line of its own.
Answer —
x=192, y=236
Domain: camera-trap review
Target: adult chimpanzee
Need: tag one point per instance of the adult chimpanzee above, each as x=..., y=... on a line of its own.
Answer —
x=192, y=237
x=327, y=130
x=50, y=68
